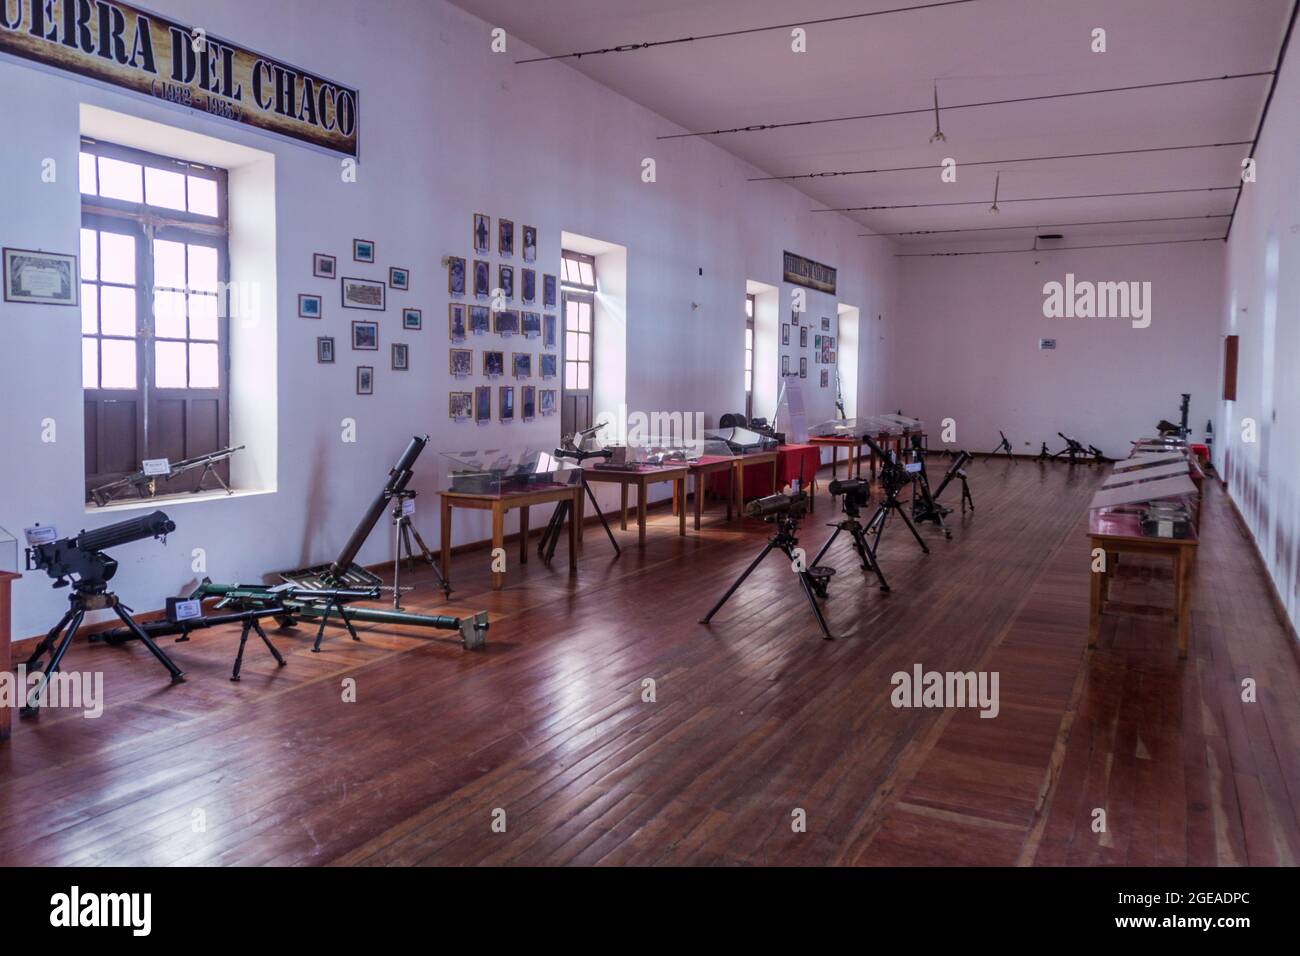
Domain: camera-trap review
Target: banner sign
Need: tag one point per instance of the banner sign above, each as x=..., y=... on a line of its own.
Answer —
x=804, y=272
x=129, y=47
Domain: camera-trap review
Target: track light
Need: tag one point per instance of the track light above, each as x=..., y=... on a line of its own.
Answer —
x=938, y=136
x=996, y=183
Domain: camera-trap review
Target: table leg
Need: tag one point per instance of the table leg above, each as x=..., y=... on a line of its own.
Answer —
x=731, y=489
x=1182, y=567
x=775, y=490
x=679, y=491
x=699, y=497
x=573, y=533
x=835, y=457
x=740, y=490
x=581, y=505
x=446, y=538
x=640, y=513
x=498, y=542
x=523, y=535
x=1094, y=604
x=622, y=508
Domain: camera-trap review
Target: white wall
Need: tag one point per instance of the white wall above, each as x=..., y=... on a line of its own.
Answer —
x=1261, y=304
x=447, y=129
x=965, y=346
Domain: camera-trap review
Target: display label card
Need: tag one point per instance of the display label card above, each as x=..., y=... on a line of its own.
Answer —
x=187, y=610
x=913, y=467
x=408, y=507
x=40, y=534
x=156, y=466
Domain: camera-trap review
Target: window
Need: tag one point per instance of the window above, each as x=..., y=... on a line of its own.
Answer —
x=578, y=301
x=154, y=333
x=749, y=357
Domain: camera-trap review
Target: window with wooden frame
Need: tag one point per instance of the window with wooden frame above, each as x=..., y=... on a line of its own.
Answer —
x=749, y=356
x=578, y=302
x=154, y=327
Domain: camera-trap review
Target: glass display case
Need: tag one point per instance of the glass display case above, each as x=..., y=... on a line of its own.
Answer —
x=657, y=452
x=741, y=441
x=495, y=472
x=852, y=428
x=9, y=553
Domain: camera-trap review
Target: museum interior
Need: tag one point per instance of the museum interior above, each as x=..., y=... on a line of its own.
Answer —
x=466, y=433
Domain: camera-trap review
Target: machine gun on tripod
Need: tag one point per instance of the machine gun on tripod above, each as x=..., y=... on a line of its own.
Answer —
x=856, y=493
x=783, y=512
x=924, y=505
x=145, y=483
x=82, y=563
x=1168, y=429
x=1075, y=451
x=1003, y=449
x=893, y=478
x=570, y=449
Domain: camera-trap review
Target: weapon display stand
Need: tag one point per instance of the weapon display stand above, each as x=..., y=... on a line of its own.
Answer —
x=403, y=532
x=1004, y=449
x=551, y=536
x=252, y=623
x=890, y=503
x=866, y=552
x=814, y=581
x=60, y=637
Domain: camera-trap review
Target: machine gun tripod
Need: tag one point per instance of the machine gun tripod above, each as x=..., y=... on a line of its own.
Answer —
x=856, y=493
x=1003, y=449
x=784, y=512
x=570, y=451
x=893, y=476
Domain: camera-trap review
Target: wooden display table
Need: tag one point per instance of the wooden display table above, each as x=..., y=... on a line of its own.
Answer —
x=1121, y=533
x=748, y=461
x=701, y=469
x=499, y=505
x=7, y=578
x=640, y=479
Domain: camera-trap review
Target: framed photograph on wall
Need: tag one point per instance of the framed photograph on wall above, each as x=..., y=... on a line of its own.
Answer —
x=506, y=238
x=363, y=294
x=401, y=361
x=482, y=240
x=309, y=306
x=506, y=402
x=460, y=406
x=455, y=276
x=41, y=278
x=506, y=281
x=482, y=278
x=785, y=334
x=528, y=403
x=547, y=401
x=794, y=318
x=546, y=365
x=482, y=404
x=803, y=336
x=530, y=243
x=531, y=324
x=480, y=320
x=803, y=367
x=325, y=350
x=363, y=250
x=412, y=320
x=456, y=323
x=461, y=363
x=826, y=375
x=323, y=266
x=549, y=294
x=494, y=363
x=365, y=336
x=528, y=286
x=785, y=365
x=507, y=322
x=522, y=364
x=365, y=380
x=826, y=326
x=399, y=278
x=548, y=331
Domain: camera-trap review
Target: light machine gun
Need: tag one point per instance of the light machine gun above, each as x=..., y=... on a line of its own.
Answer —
x=145, y=484
x=571, y=450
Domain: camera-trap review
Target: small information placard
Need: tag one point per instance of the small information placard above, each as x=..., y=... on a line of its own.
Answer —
x=156, y=466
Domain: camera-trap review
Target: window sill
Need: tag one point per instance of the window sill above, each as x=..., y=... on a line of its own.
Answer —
x=142, y=504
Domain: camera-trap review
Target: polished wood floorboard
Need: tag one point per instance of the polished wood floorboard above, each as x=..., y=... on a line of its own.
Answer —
x=754, y=718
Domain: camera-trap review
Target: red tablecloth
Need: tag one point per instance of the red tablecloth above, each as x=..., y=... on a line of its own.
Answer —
x=792, y=461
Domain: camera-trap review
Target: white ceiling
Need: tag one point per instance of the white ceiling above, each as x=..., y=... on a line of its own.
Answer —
x=976, y=51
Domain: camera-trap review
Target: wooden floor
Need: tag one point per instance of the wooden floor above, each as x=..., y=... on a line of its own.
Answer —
x=753, y=718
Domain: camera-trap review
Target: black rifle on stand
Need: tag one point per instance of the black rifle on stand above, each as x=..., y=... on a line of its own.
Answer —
x=570, y=450
x=1002, y=449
